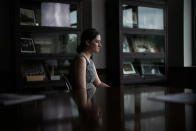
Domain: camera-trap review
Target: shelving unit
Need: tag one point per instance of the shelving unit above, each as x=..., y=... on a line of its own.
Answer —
x=46, y=37
x=140, y=31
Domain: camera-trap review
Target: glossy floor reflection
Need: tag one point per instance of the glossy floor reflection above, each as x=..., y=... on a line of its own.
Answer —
x=123, y=109
x=143, y=114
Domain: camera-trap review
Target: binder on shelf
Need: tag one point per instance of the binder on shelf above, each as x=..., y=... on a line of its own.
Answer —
x=33, y=72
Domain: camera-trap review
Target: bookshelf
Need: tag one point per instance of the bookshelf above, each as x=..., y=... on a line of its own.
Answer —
x=140, y=31
x=46, y=37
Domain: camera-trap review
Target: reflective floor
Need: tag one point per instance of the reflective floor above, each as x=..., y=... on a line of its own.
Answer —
x=123, y=109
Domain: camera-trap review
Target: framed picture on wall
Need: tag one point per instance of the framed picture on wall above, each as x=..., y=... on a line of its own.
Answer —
x=27, y=45
x=128, y=68
x=27, y=17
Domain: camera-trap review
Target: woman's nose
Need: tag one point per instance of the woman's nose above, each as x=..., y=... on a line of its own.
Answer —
x=100, y=45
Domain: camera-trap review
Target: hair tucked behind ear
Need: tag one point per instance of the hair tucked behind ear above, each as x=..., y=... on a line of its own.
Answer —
x=88, y=34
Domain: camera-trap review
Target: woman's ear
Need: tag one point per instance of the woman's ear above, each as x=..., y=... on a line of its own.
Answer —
x=87, y=42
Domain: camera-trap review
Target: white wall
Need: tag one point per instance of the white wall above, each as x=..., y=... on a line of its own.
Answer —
x=98, y=22
x=187, y=34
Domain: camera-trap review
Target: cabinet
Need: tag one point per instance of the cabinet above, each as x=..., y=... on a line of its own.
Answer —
x=140, y=41
x=46, y=37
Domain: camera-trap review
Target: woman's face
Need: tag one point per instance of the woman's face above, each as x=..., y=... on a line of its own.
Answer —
x=94, y=45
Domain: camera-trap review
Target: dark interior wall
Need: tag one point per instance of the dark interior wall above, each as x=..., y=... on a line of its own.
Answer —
x=87, y=14
x=5, y=46
x=178, y=75
x=112, y=40
x=175, y=33
x=4, y=37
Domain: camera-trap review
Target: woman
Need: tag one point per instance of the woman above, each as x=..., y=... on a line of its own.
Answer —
x=84, y=76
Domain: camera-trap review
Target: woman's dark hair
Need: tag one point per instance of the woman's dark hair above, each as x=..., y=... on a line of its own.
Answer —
x=88, y=34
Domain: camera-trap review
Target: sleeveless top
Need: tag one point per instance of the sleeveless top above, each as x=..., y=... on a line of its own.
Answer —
x=90, y=77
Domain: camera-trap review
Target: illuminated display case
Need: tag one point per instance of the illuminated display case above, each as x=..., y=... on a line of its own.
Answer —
x=140, y=40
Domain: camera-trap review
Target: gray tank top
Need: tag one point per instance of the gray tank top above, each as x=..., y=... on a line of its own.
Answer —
x=90, y=73
x=90, y=78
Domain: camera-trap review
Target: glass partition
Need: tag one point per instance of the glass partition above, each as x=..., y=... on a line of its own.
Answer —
x=129, y=16
x=143, y=67
x=142, y=17
x=57, y=69
x=150, y=18
x=45, y=70
x=53, y=14
x=55, y=42
x=152, y=67
x=143, y=43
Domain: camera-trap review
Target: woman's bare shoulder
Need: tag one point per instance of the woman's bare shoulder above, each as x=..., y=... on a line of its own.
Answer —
x=80, y=60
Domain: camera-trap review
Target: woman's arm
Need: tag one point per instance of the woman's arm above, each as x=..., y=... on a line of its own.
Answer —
x=98, y=82
x=80, y=93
